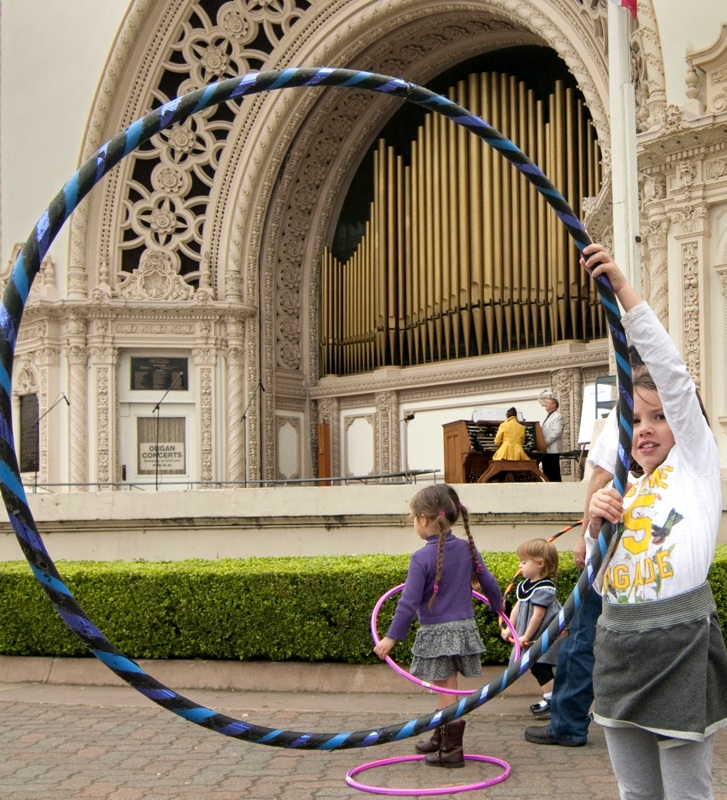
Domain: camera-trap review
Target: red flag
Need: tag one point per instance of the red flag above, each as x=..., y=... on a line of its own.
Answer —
x=630, y=5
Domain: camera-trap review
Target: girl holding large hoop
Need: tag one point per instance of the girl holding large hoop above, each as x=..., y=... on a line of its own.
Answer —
x=661, y=662
x=438, y=590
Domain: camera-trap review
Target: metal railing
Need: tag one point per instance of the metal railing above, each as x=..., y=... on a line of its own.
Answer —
x=404, y=477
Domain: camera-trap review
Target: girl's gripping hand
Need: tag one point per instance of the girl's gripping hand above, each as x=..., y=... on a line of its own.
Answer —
x=598, y=262
x=384, y=647
x=605, y=504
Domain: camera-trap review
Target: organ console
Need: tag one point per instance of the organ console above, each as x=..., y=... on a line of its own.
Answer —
x=469, y=447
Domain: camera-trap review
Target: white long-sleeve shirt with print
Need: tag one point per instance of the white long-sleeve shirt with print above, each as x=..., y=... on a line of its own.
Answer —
x=671, y=517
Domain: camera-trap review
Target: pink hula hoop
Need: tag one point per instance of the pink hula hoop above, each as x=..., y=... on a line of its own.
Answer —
x=468, y=787
x=404, y=674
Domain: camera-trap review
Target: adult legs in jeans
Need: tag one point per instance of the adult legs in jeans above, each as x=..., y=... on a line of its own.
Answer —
x=573, y=688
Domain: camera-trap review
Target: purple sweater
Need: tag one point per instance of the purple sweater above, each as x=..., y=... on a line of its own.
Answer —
x=454, y=599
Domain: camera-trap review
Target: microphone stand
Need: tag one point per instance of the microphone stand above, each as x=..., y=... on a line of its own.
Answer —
x=407, y=419
x=36, y=425
x=156, y=411
x=244, y=430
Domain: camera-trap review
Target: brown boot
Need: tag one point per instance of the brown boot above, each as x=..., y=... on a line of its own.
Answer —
x=451, y=754
x=432, y=744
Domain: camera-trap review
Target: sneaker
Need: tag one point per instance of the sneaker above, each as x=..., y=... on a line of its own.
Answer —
x=539, y=734
x=541, y=709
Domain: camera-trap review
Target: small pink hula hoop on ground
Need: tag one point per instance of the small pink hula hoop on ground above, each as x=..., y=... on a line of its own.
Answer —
x=468, y=787
x=390, y=661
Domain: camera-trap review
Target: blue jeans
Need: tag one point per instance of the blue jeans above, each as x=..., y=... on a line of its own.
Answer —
x=573, y=687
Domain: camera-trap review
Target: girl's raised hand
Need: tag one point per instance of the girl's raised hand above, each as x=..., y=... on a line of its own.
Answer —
x=598, y=262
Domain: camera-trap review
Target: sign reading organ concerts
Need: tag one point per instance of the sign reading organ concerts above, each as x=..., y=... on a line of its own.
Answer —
x=162, y=446
x=170, y=454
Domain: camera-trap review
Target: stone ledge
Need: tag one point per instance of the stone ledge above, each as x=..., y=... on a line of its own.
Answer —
x=253, y=676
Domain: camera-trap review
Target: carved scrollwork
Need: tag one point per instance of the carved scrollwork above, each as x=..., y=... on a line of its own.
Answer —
x=155, y=279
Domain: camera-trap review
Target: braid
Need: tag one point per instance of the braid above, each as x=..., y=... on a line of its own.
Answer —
x=473, y=549
x=440, y=561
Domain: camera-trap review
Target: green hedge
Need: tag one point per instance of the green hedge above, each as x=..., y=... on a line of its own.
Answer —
x=270, y=609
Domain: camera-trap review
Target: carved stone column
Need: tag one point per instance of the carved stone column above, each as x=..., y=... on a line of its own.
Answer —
x=103, y=366
x=77, y=354
x=654, y=238
x=720, y=389
x=564, y=384
x=692, y=232
x=388, y=451
x=205, y=358
x=235, y=400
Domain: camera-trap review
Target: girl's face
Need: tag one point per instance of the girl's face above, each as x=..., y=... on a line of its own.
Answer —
x=531, y=568
x=653, y=438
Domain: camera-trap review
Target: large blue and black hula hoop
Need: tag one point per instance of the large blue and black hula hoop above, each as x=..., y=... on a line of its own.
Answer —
x=15, y=296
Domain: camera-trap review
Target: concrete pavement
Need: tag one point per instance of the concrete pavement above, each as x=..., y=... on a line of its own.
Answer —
x=68, y=742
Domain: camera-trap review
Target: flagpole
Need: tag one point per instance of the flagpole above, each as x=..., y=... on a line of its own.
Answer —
x=624, y=170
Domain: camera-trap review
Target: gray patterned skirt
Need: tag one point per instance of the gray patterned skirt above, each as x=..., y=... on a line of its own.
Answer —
x=447, y=648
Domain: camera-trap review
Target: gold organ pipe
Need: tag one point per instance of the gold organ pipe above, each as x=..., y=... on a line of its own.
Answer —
x=453, y=235
x=560, y=247
x=439, y=218
x=416, y=250
x=497, y=203
x=429, y=206
x=391, y=252
x=475, y=216
x=465, y=303
x=409, y=271
x=512, y=228
x=444, y=128
x=489, y=156
x=423, y=254
x=401, y=248
x=380, y=259
x=326, y=337
x=509, y=176
x=529, y=232
x=543, y=255
x=579, y=165
x=552, y=271
x=573, y=283
x=362, y=311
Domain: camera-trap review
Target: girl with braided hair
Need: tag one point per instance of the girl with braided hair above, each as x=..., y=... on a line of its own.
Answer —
x=438, y=591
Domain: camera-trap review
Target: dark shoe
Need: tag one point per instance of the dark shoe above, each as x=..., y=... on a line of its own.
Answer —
x=541, y=709
x=430, y=745
x=538, y=734
x=450, y=754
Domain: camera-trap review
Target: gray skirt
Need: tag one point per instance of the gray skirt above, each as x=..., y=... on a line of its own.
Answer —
x=447, y=648
x=662, y=666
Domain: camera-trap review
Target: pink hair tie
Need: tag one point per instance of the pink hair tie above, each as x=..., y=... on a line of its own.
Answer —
x=441, y=513
x=480, y=568
x=436, y=588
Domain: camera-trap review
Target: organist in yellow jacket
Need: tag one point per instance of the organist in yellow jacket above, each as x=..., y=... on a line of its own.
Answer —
x=509, y=439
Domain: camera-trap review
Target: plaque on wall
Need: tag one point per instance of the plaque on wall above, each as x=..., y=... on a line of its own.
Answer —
x=159, y=374
x=28, y=439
